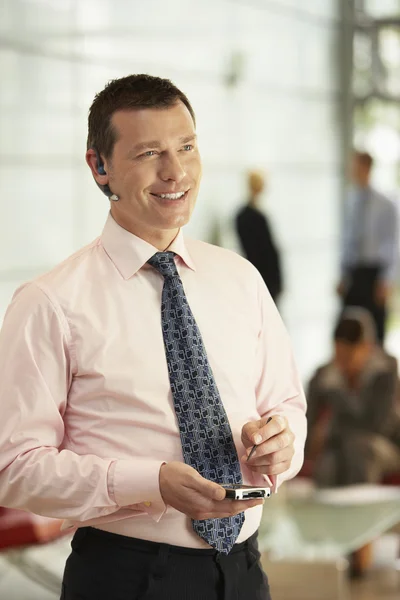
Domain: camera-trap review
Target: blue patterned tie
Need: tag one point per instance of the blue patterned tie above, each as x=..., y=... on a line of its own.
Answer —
x=206, y=436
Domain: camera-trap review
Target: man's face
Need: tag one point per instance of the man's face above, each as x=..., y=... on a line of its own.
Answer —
x=155, y=169
x=256, y=182
x=359, y=171
x=351, y=358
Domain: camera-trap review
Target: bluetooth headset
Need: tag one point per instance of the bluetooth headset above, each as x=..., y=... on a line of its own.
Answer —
x=101, y=171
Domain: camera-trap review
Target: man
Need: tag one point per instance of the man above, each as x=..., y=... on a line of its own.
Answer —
x=369, y=245
x=358, y=392
x=256, y=237
x=123, y=411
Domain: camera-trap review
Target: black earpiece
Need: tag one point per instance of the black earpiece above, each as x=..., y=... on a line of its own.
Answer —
x=101, y=171
x=100, y=167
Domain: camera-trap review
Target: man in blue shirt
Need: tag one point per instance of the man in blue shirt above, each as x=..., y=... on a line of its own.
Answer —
x=369, y=245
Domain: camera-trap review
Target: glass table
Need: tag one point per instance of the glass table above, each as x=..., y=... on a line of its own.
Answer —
x=305, y=536
x=329, y=523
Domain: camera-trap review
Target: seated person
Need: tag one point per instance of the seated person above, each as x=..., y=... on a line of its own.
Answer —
x=359, y=392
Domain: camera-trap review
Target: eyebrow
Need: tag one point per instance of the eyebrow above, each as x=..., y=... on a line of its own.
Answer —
x=156, y=144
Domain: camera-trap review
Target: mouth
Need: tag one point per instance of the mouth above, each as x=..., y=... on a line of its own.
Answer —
x=172, y=197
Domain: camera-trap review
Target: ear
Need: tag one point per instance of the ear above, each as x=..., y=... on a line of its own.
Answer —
x=92, y=161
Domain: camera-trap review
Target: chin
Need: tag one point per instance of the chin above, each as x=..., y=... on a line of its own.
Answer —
x=177, y=222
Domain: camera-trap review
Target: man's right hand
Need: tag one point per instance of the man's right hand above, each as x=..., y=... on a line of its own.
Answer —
x=183, y=488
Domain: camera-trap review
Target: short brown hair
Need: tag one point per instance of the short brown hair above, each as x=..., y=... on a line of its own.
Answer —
x=364, y=158
x=128, y=93
x=355, y=326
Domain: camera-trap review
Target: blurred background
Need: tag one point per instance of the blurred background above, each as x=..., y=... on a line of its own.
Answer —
x=287, y=87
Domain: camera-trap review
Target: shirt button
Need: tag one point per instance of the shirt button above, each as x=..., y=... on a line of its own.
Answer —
x=147, y=503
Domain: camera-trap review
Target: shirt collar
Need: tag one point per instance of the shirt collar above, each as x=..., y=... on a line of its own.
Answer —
x=130, y=253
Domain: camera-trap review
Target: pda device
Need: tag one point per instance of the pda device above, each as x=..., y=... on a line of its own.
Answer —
x=241, y=491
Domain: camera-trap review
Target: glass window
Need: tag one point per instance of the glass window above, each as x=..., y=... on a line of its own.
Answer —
x=382, y=8
x=376, y=129
x=389, y=55
x=363, y=83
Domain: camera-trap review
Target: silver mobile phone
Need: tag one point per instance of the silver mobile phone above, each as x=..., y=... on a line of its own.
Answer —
x=245, y=492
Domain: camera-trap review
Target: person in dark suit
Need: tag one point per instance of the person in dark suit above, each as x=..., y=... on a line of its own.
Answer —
x=256, y=237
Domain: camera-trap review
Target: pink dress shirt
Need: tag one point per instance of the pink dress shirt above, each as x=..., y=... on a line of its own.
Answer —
x=86, y=406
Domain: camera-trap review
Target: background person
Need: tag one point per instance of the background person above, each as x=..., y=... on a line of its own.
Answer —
x=353, y=404
x=256, y=237
x=369, y=252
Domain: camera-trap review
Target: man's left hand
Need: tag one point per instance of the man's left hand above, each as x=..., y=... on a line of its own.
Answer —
x=275, y=445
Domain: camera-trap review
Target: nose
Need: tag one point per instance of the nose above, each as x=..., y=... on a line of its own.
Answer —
x=172, y=168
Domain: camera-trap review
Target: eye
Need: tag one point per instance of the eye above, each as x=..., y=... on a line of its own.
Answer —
x=147, y=154
x=187, y=147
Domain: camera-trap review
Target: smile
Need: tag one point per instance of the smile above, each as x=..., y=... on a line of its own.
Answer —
x=174, y=196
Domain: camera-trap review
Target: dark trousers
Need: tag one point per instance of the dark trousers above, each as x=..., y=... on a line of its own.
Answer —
x=107, y=566
x=361, y=292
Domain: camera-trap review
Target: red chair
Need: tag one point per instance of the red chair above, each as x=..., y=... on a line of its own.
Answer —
x=20, y=528
x=392, y=479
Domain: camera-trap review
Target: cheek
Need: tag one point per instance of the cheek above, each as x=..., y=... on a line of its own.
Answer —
x=194, y=167
x=138, y=177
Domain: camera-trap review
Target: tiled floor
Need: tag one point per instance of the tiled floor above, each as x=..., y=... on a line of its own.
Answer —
x=384, y=580
x=382, y=585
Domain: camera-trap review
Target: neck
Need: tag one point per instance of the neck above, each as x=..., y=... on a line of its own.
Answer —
x=160, y=239
x=363, y=184
x=253, y=201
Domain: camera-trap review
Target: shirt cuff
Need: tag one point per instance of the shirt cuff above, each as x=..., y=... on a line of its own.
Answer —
x=137, y=482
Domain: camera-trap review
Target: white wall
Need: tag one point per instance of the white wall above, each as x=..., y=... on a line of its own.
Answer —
x=281, y=116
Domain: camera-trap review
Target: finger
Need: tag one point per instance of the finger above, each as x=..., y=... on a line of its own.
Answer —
x=250, y=431
x=276, y=469
x=260, y=458
x=208, y=489
x=256, y=432
x=272, y=427
x=275, y=444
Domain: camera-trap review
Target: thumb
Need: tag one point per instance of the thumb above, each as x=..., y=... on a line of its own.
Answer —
x=250, y=433
x=207, y=488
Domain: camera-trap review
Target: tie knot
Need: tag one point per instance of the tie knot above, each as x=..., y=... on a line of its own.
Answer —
x=164, y=263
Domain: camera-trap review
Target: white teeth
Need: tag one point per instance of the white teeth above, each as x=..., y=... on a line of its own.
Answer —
x=171, y=196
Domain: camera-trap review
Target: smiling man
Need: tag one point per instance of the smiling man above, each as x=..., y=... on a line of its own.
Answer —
x=136, y=377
